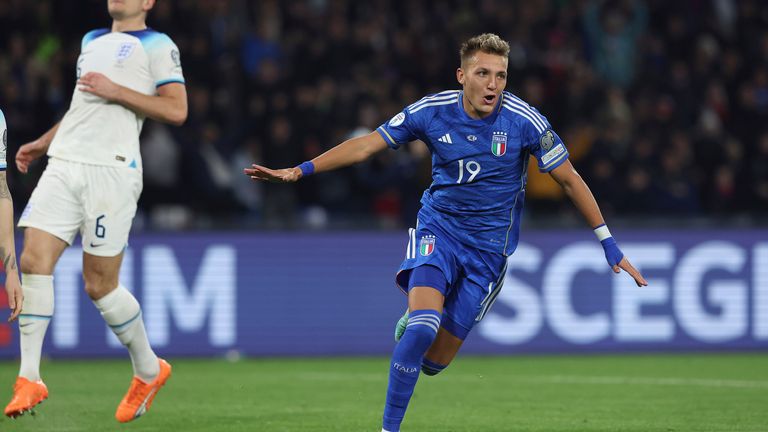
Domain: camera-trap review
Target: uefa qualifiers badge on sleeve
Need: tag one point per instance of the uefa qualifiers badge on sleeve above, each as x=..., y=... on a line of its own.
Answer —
x=547, y=140
x=397, y=120
x=176, y=58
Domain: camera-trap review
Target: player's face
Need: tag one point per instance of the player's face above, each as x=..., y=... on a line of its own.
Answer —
x=123, y=9
x=484, y=77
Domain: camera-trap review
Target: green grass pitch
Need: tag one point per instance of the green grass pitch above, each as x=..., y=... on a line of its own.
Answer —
x=643, y=393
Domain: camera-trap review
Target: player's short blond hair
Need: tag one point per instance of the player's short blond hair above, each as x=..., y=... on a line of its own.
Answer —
x=488, y=43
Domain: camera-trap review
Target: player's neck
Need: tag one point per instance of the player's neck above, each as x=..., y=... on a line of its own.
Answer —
x=471, y=111
x=129, y=24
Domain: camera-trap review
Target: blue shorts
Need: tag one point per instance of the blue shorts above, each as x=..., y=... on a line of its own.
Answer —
x=472, y=278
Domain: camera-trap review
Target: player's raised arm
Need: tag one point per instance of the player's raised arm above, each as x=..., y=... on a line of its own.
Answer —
x=349, y=152
x=578, y=191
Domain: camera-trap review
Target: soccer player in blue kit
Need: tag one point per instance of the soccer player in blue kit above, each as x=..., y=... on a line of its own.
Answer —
x=481, y=139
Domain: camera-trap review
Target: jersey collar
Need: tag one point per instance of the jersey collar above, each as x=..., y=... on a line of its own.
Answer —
x=488, y=120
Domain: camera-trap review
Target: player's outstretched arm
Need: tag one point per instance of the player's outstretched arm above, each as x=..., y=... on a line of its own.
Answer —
x=582, y=198
x=34, y=149
x=349, y=152
x=168, y=106
x=8, y=250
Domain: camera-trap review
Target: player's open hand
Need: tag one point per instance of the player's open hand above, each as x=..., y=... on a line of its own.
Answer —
x=629, y=268
x=28, y=153
x=99, y=85
x=285, y=175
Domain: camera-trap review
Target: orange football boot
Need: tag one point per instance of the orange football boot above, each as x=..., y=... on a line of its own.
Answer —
x=26, y=395
x=140, y=395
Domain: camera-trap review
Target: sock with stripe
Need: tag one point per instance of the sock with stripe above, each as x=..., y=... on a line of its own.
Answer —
x=122, y=312
x=419, y=334
x=431, y=368
x=36, y=313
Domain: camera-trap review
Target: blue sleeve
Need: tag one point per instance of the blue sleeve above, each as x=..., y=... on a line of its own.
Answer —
x=401, y=129
x=544, y=144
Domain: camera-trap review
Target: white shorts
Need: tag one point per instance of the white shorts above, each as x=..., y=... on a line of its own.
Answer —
x=98, y=201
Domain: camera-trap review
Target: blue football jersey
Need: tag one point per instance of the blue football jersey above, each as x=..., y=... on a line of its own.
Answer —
x=478, y=165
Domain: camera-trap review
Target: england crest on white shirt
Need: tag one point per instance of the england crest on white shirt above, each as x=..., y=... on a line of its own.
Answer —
x=125, y=50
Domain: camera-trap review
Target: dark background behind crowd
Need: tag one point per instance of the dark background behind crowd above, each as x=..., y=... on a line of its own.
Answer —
x=663, y=104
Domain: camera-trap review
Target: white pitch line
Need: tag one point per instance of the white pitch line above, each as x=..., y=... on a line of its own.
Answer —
x=621, y=380
x=556, y=379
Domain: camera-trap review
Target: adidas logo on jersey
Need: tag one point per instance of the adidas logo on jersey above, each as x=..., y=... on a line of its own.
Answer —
x=445, y=139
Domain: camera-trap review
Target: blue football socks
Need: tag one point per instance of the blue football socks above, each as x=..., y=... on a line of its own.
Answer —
x=406, y=363
x=431, y=368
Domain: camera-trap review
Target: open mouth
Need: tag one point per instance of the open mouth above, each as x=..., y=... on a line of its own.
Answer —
x=489, y=99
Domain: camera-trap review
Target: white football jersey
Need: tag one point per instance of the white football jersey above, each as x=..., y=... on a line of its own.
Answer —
x=4, y=144
x=98, y=132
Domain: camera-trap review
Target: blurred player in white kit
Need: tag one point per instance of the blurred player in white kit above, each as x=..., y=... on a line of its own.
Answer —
x=91, y=185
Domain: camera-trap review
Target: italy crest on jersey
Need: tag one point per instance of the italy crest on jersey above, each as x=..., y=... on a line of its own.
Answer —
x=499, y=143
x=427, y=245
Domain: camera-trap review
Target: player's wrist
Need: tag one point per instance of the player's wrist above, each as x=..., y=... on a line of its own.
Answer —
x=12, y=277
x=116, y=95
x=613, y=254
x=307, y=168
x=43, y=142
x=602, y=232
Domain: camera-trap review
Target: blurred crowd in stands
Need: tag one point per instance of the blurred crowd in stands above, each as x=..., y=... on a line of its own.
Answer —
x=663, y=104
